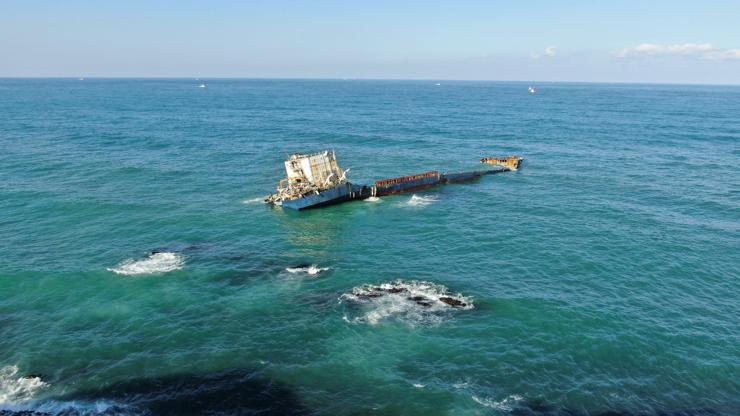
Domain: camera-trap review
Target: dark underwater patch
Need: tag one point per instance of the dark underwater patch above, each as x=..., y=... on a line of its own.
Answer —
x=230, y=392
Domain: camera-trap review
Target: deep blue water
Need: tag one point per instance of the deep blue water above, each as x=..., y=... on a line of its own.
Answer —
x=604, y=275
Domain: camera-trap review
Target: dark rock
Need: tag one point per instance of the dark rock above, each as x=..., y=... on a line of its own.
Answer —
x=417, y=298
x=397, y=290
x=33, y=375
x=452, y=301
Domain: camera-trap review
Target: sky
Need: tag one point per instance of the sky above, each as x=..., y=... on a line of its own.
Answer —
x=591, y=41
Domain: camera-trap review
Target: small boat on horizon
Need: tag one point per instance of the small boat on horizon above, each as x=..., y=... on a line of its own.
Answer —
x=532, y=90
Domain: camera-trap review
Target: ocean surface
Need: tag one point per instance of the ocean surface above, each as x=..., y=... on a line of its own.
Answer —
x=141, y=274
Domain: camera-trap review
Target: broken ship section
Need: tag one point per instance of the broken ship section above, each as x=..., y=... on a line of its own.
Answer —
x=316, y=180
x=313, y=181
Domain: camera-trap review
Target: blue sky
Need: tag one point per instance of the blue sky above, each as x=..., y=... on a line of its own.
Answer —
x=627, y=41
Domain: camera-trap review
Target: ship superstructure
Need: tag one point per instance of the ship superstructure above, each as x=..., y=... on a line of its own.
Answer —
x=313, y=180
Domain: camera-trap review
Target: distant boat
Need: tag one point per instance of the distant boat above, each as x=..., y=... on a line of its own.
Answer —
x=82, y=79
x=532, y=90
x=202, y=86
x=438, y=84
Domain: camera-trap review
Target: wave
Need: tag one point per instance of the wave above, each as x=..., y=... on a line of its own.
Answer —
x=311, y=269
x=373, y=199
x=413, y=302
x=78, y=408
x=18, y=389
x=157, y=262
x=258, y=200
x=505, y=405
x=419, y=201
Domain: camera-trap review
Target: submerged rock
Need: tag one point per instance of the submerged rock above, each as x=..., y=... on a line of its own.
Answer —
x=452, y=301
x=415, y=302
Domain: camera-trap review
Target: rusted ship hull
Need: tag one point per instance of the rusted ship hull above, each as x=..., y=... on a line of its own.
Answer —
x=349, y=192
x=406, y=183
x=468, y=176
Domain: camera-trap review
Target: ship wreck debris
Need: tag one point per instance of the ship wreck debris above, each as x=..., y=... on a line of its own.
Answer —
x=511, y=162
x=316, y=180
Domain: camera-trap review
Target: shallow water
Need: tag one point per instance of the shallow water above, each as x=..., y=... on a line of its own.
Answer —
x=603, y=276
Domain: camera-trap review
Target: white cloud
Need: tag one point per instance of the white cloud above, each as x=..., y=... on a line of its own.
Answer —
x=700, y=50
x=550, y=51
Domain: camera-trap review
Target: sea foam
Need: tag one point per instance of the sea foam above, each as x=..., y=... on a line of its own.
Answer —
x=251, y=201
x=506, y=405
x=310, y=269
x=413, y=302
x=17, y=389
x=155, y=263
x=18, y=396
x=419, y=201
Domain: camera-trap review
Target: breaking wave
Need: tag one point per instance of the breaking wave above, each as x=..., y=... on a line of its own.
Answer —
x=311, y=269
x=505, y=405
x=373, y=199
x=155, y=263
x=17, y=389
x=412, y=302
x=75, y=408
x=419, y=201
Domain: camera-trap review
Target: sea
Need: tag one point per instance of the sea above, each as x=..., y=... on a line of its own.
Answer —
x=141, y=273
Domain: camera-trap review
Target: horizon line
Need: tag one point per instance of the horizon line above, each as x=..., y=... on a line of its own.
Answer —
x=363, y=79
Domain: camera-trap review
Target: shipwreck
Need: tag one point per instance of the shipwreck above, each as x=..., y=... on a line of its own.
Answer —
x=316, y=180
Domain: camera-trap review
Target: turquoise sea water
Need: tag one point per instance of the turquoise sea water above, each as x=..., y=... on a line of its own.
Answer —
x=604, y=275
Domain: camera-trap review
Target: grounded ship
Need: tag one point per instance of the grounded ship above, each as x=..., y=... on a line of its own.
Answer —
x=316, y=180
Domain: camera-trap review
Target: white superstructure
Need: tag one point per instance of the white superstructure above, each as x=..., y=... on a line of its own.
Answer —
x=309, y=174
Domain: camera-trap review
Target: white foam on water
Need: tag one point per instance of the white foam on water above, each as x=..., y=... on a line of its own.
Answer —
x=419, y=386
x=373, y=199
x=251, y=201
x=17, y=389
x=419, y=201
x=85, y=408
x=154, y=264
x=312, y=269
x=412, y=302
x=505, y=405
x=18, y=394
